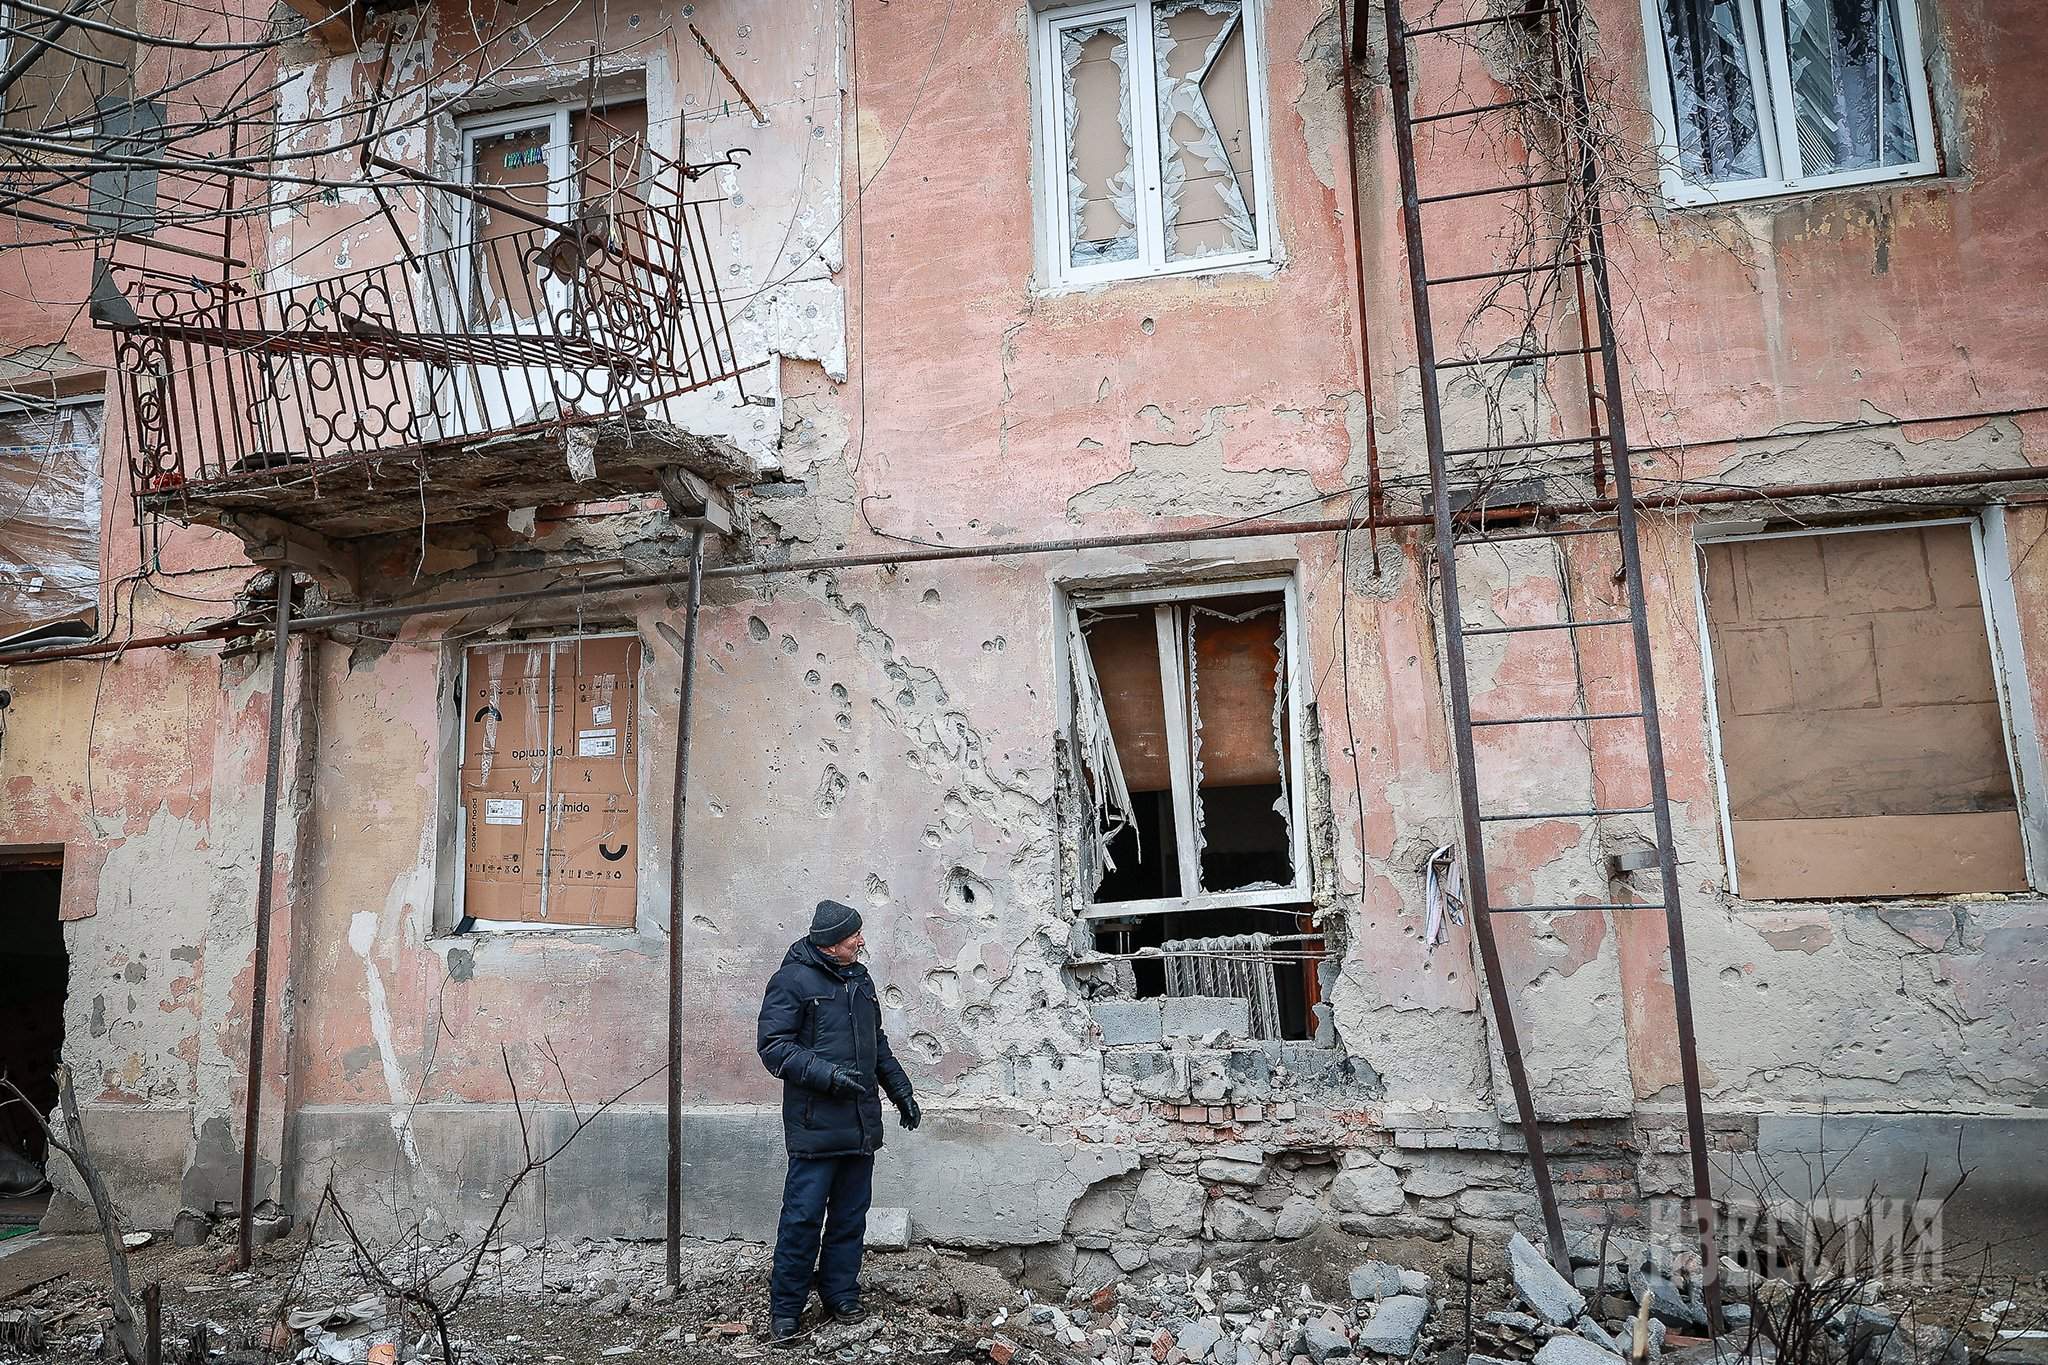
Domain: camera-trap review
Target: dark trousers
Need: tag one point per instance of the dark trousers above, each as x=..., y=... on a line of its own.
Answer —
x=828, y=1195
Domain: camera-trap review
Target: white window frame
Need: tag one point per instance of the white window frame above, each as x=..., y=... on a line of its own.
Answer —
x=1180, y=761
x=460, y=898
x=480, y=127
x=1055, y=190
x=2008, y=668
x=1770, y=74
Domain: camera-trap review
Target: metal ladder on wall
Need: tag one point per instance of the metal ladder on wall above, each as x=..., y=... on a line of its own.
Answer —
x=1558, y=23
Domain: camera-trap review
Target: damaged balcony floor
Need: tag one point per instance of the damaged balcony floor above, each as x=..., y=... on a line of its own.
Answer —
x=385, y=491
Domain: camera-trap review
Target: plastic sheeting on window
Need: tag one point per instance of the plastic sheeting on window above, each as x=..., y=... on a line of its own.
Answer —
x=1712, y=97
x=49, y=515
x=1101, y=172
x=1205, y=164
x=1850, y=102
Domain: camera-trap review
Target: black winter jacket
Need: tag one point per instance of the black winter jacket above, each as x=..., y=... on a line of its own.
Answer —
x=817, y=1016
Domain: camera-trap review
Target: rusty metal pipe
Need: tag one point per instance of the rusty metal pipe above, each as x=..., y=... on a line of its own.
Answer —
x=1373, y=495
x=676, y=919
x=1713, y=497
x=259, y=991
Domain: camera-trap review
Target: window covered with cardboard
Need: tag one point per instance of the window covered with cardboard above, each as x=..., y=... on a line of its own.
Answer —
x=1186, y=728
x=1153, y=134
x=1860, y=715
x=550, y=783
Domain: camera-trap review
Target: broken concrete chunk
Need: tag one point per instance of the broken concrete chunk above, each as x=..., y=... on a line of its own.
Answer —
x=1373, y=1189
x=1395, y=1326
x=1546, y=1292
x=1192, y=1016
x=1166, y=1203
x=1595, y=1333
x=1667, y=1301
x=1231, y=1220
x=1375, y=1280
x=1198, y=1338
x=1299, y=1216
x=888, y=1228
x=1324, y=1339
x=1228, y=1172
x=1124, y=1023
x=1414, y=1282
x=1573, y=1351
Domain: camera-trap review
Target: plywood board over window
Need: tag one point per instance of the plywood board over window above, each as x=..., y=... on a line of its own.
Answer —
x=550, y=782
x=1862, y=736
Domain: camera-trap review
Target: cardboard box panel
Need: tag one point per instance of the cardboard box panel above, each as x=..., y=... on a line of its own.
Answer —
x=1879, y=855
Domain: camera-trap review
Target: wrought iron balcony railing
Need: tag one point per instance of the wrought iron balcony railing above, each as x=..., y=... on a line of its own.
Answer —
x=231, y=395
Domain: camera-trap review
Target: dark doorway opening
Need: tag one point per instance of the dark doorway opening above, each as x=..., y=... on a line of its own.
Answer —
x=37, y=972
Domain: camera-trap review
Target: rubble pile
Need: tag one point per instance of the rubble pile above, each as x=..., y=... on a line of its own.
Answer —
x=595, y=1301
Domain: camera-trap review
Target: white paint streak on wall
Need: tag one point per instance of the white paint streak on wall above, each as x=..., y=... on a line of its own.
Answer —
x=362, y=935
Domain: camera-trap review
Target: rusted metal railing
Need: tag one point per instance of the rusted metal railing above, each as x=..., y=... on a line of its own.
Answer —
x=548, y=326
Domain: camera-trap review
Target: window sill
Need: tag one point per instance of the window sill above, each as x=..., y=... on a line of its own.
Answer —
x=1902, y=900
x=1265, y=268
x=1695, y=199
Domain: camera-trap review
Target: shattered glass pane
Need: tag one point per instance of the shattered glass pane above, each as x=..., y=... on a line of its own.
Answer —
x=1205, y=128
x=1849, y=96
x=1712, y=98
x=1101, y=179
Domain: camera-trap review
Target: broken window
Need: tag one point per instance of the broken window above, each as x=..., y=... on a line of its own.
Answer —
x=561, y=163
x=1186, y=725
x=49, y=511
x=1770, y=96
x=1860, y=717
x=1154, y=128
x=550, y=783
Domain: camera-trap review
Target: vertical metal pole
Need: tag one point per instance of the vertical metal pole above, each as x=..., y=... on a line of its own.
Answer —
x=259, y=992
x=1454, y=644
x=153, y=1323
x=676, y=918
x=1646, y=685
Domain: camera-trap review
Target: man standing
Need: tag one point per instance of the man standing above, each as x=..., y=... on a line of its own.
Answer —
x=821, y=1034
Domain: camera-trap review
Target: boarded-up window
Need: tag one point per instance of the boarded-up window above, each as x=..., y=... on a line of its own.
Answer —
x=550, y=782
x=1152, y=134
x=1185, y=724
x=1861, y=730
x=49, y=513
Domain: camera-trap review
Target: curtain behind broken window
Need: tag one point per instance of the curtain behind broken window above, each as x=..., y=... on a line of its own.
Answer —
x=1713, y=99
x=1849, y=97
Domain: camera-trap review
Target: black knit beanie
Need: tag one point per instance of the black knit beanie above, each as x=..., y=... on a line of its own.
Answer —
x=832, y=923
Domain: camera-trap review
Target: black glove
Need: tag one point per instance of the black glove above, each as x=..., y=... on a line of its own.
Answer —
x=843, y=1084
x=911, y=1114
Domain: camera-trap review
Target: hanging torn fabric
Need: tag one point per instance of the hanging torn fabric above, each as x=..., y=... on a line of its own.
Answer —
x=1102, y=201
x=1095, y=745
x=1443, y=892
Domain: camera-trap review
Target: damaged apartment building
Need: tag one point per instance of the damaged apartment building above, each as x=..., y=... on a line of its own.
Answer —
x=1166, y=505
